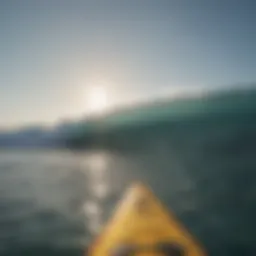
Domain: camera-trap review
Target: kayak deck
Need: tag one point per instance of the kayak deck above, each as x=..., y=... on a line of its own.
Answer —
x=141, y=224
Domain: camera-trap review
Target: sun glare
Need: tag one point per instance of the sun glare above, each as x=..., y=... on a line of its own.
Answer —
x=97, y=101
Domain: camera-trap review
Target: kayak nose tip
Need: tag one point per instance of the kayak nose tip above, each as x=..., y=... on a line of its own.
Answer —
x=139, y=186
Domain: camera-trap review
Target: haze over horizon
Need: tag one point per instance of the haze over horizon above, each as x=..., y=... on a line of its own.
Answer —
x=66, y=59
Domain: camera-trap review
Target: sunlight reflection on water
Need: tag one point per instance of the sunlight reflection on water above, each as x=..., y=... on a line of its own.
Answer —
x=96, y=166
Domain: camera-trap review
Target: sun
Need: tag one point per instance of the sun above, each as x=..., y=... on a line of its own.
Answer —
x=96, y=100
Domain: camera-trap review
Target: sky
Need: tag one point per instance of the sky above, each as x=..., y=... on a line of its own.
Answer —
x=66, y=59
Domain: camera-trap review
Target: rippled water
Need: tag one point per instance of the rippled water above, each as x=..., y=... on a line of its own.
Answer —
x=54, y=202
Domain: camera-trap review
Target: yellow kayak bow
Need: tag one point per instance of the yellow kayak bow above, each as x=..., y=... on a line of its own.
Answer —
x=142, y=226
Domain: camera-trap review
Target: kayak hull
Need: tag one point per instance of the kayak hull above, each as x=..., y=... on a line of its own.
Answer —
x=142, y=222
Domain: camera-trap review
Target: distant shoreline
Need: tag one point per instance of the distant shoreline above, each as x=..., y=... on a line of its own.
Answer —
x=106, y=131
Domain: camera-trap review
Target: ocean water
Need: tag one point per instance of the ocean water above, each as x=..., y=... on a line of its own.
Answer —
x=53, y=202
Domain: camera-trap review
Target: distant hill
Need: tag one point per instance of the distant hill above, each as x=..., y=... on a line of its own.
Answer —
x=36, y=136
x=107, y=130
x=136, y=120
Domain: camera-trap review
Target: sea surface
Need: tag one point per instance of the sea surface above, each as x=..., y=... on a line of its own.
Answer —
x=53, y=202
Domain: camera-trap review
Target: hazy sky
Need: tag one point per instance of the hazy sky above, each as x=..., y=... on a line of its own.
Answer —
x=65, y=58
